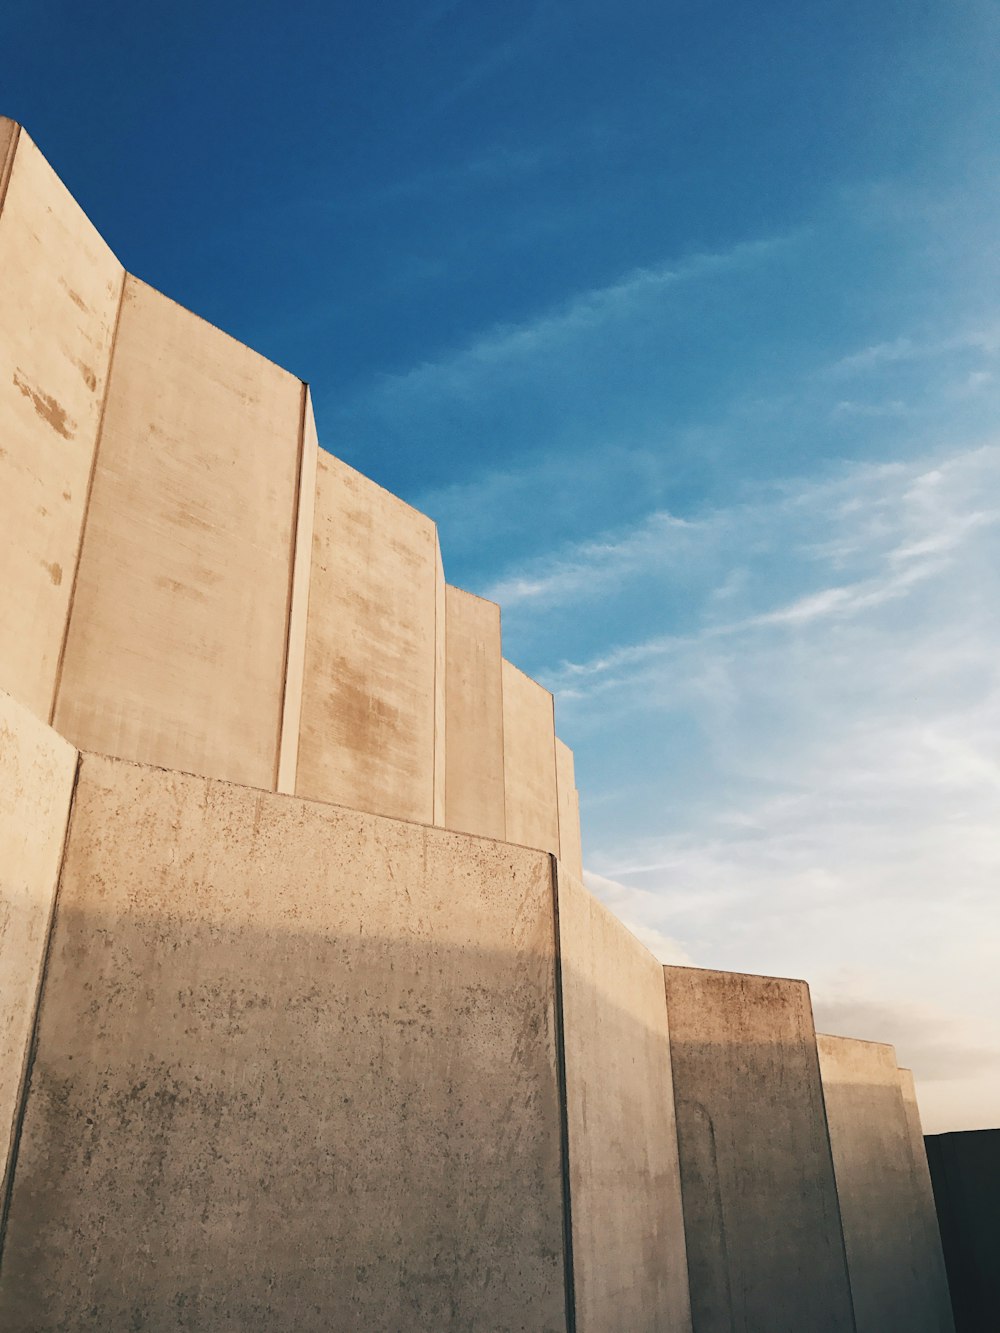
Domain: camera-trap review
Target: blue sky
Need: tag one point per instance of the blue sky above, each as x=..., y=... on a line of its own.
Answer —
x=683, y=320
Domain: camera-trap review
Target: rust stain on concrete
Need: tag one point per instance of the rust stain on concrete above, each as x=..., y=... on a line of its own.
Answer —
x=46, y=407
x=55, y=572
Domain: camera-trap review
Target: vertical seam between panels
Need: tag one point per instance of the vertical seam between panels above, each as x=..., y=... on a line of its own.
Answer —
x=88, y=498
x=567, y=1200
x=7, y=166
x=28, y=1065
x=290, y=597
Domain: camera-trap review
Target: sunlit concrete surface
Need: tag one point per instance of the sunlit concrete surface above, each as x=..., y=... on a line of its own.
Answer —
x=475, y=748
x=629, y=1260
x=925, y=1235
x=531, y=799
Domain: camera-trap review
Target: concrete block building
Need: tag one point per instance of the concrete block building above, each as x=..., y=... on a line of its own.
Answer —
x=307, y=1019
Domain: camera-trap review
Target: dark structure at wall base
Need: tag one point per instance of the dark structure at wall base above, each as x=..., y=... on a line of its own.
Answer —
x=965, y=1173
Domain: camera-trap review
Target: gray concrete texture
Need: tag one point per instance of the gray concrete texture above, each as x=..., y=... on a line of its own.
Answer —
x=764, y=1243
x=296, y=1069
x=570, y=850
x=629, y=1264
x=37, y=771
x=873, y=1161
x=59, y=292
x=176, y=646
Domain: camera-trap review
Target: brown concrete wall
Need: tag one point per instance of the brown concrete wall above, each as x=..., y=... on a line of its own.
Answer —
x=929, y=1258
x=37, y=770
x=530, y=798
x=368, y=735
x=570, y=852
x=628, y=1229
x=872, y=1157
x=474, y=698
x=59, y=292
x=298, y=612
x=764, y=1242
x=296, y=1069
x=176, y=647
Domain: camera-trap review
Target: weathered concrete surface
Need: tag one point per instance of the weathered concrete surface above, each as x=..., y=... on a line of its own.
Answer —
x=570, y=852
x=296, y=1069
x=530, y=798
x=440, y=687
x=965, y=1170
x=764, y=1243
x=298, y=610
x=872, y=1159
x=176, y=647
x=474, y=698
x=59, y=292
x=926, y=1237
x=367, y=737
x=628, y=1227
x=37, y=769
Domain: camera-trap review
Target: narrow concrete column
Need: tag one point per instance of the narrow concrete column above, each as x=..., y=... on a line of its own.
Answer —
x=529, y=739
x=883, y=1229
x=570, y=852
x=764, y=1242
x=929, y=1259
x=60, y=288
x=475, y=750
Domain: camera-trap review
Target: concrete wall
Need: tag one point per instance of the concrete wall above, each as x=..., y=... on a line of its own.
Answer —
x=474, y=698
x=296, y=1069
x=926, y=1237
x=440, y=687
x=628, y=1229
x=176, y=646
x=59, y=292
x=530, y=796
x=570, y=852
x=965, y=1170
x=368, y=728
x=37, y=770
x=764, y=1242
x=872, y=1158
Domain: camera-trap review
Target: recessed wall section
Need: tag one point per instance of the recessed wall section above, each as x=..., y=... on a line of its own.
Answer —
x=570, y=852
x=368, y=731
x=59, y=291
x=176, y=647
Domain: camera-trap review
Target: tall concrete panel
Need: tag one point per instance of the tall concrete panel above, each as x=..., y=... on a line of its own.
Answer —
x=298, y=608
x=440, y=687
x=929, y=1258
x=296, y=1069
x=59, y=291
x=629, y=1264
x=570, y=852
x=474, y=699
x=872, y=1158
x=37, y=769
x=965, y=1170
x=764, y=1242
x=529, y=741
x=368, y=735
x=176, y=647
